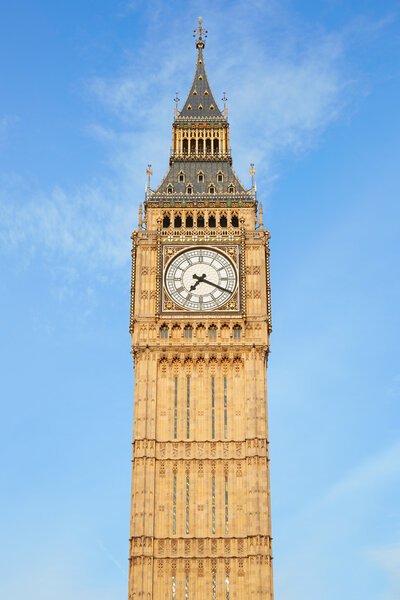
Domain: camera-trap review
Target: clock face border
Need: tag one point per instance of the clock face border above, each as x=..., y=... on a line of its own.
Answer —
x=231, y=252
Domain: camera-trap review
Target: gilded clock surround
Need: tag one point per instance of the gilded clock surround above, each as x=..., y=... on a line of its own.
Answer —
x=200, y=509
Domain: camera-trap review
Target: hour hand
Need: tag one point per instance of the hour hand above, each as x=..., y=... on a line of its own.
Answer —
x=199, y=280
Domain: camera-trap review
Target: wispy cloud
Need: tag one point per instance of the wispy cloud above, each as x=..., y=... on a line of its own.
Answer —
x=283, y=93
x=388, y=559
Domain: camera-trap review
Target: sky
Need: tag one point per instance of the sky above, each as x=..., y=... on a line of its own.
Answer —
x=86, y=103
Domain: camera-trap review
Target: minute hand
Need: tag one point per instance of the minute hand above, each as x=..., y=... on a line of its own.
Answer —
x=216, y=285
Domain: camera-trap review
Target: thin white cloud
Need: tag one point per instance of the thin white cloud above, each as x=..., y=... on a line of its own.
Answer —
x=283, y=93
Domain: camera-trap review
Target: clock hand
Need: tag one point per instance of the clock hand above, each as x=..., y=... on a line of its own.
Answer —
x=215, y=285
x=199, y=280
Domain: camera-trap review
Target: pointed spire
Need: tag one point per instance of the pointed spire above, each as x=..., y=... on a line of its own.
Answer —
x=200, y=103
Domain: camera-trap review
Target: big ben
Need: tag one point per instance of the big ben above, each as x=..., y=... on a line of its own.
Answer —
x=200, y=324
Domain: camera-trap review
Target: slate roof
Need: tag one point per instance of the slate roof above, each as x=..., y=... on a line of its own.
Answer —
x=200, y=95
x=209, y=169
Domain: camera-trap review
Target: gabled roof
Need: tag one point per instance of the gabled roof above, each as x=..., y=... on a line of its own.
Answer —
x=200, y=103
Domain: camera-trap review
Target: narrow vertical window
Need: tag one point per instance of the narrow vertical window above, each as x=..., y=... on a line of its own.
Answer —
x=227, y=587
x=176, y=409
x=225, y=409
x=226, y=505
x=213, y=503
x=212, y=408
x=173, y=587
x=214, y=587
x=188, y=408
x=174, y=507
x=187, y=503
x=187, y=588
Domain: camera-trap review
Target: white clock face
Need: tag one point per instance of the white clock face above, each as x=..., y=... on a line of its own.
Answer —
x=200, y=279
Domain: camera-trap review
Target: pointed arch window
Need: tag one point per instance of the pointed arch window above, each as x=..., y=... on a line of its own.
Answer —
x=181, y=176
x=206, y=92
x=237, y=331
x=189, y=107
x=211, y=107
x=166, y=221
x=189, y=189
x=211, y=189
x=231, y=189
x=200, y=77
x=220, y=177
x=200, y=107
x=200, y=176
x=212, y=331
x=164, y=331
x=212, y=221
x=200, y=220
x=178, y=221
x=194, y=93
x=223, y=221
x=189, y=220
x=188, y=331
x=235, y=221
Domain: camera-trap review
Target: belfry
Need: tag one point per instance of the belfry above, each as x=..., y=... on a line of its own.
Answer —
x=200, y=323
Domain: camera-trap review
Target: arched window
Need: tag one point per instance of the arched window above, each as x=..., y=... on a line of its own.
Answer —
x=189, y=221
x=231, y=189
x=208, y=146
x=211, y=189
x=220, y=175
x=185, y=146
x=200, y=175
x=235, y=221
x=237, y=331
x=178, y=221
x=200, y=146
x=170, y=189
x=164, y=331
x=212, y=331
x=223, y=221
x=200, y=221
x=216, y=146
x=188, y=331
x=166, y=221
x=212, y=222
x=192, y=146
x=189, y=189
x=181, y=174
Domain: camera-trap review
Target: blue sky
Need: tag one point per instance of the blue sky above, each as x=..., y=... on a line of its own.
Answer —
x=86, y=102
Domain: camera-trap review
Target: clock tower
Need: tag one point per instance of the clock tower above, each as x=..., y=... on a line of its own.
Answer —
x=200, y=323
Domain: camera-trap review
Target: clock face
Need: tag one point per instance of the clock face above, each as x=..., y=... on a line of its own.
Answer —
x=200, y=279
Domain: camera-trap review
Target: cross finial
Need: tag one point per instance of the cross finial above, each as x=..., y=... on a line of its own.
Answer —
x=224, y=99
x=149, y=173
x=201, y=32
x=176, y=100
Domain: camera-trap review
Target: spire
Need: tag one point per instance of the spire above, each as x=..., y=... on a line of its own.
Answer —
x=200, y=103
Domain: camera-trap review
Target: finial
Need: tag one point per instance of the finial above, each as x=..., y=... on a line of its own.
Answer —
x=260, y=215
x=201, y=32
x=176, y=100
x=149, y=173
x=140, y=216
x=224, y=99
x=252, y=172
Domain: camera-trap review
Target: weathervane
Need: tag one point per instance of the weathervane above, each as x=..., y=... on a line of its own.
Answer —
x=176, y=100
x=201, y=32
